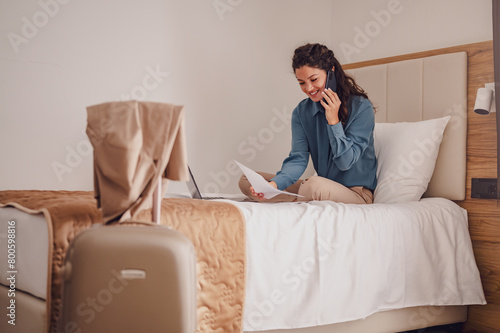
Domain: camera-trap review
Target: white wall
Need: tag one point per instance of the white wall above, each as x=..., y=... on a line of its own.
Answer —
x=382, y=28
x=229, y=66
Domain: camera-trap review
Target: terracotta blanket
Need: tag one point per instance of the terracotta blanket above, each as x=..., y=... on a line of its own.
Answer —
x=215, y=228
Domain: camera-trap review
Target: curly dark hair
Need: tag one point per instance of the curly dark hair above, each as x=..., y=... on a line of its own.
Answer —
x=319, y=56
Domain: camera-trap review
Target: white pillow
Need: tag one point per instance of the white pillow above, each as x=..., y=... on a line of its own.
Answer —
x=406, y=156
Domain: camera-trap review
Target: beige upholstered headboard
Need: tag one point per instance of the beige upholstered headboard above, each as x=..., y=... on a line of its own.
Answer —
x=421, y=89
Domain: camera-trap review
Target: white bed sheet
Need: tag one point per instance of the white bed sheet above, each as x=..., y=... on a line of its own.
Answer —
x=320, y=262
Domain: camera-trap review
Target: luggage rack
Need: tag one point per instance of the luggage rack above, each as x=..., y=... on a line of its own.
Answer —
x=157, y=196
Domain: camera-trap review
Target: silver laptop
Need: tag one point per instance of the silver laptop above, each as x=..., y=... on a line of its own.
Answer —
x=196, y=194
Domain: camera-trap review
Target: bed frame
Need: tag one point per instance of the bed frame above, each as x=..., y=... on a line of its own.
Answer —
x=412, y=88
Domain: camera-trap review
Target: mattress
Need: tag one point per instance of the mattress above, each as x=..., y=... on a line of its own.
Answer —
x=31, y=251
x=319, y=263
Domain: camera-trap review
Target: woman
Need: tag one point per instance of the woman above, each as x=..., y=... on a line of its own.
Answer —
x=334, y=128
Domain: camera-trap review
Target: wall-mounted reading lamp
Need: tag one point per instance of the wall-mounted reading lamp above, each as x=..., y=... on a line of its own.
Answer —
x=485, y=100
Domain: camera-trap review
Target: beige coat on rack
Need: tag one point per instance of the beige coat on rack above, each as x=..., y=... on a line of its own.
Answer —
x=135, y=143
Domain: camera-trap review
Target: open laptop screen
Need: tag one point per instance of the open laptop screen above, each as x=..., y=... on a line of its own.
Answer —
x=192, y=187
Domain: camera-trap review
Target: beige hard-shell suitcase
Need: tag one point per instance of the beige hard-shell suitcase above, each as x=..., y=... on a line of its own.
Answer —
x=124, y=278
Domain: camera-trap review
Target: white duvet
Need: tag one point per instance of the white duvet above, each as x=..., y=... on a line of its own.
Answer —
x=319, y=263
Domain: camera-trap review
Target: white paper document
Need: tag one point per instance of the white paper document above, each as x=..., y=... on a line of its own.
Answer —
x=260, y=185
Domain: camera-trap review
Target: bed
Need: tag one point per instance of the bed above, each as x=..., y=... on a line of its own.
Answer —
x=403, y=263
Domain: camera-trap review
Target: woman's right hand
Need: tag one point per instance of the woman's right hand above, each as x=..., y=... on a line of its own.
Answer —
x=332, y=106
x=260, y=196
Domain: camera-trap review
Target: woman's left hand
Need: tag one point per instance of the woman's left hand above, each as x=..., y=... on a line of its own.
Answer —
x=331, y=106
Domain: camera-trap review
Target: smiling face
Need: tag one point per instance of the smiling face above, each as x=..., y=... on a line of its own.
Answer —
x=312, y=81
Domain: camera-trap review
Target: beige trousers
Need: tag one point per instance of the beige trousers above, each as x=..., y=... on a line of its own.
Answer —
x=314, y=188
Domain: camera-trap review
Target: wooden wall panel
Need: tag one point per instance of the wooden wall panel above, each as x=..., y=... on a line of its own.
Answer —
x=483, y=214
